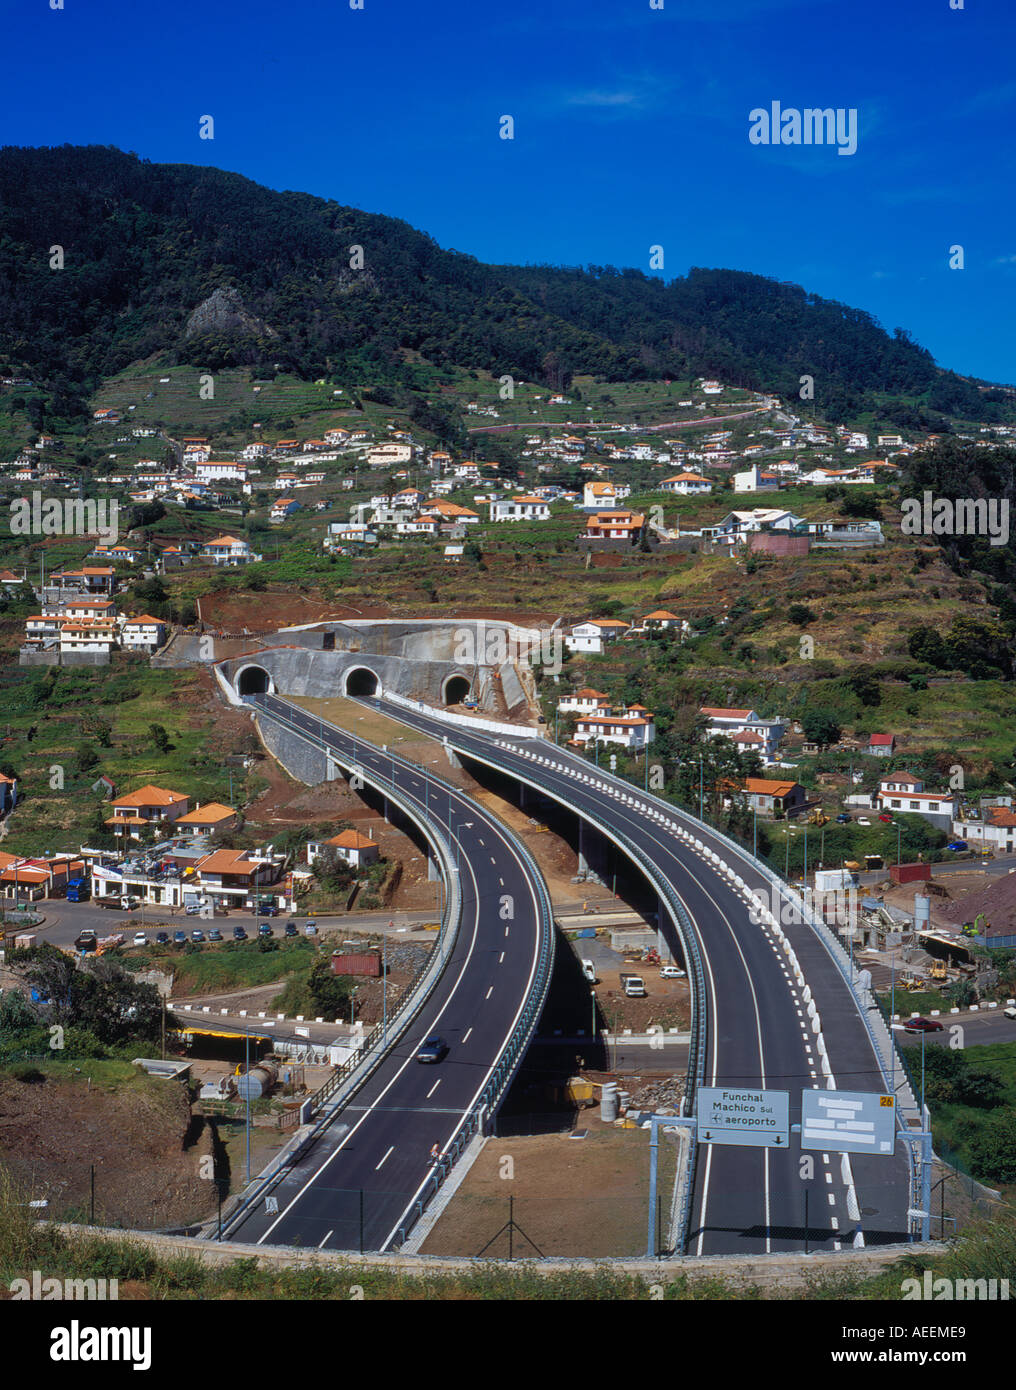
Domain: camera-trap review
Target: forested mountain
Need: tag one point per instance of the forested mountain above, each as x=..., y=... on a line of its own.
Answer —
x=146, y=246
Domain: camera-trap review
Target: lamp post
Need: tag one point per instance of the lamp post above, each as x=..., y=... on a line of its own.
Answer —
x=899, y=843
x=701, y=813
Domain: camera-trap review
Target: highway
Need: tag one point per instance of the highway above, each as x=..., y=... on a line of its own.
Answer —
x=353, y=1189
x=757, y=1030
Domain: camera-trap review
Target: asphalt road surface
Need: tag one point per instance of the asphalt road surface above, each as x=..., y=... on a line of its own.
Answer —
x=358, y=1182
x=745, y=1199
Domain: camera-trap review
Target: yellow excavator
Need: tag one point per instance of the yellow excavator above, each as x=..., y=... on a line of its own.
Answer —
x=817, y=816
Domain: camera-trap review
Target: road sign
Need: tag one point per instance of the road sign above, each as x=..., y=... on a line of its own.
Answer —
x=848, y=1122
x=759, y=1119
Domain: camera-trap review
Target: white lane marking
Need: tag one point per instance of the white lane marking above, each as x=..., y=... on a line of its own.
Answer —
x=385, y=1159
x=481, y=842
x=489, y=992
x=326, y=1240
x=506, y=931
x=493, y=860
x=465, y=1036
x=500, y=958
x=433, y=1088
x=501, y=881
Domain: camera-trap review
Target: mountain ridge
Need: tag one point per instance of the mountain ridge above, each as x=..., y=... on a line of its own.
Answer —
x=331, y=290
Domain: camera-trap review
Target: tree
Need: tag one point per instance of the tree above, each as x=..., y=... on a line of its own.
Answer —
x=820, y=725
x=800, y=615
x=993, y=1148
x=329, y=992
x=159, y=738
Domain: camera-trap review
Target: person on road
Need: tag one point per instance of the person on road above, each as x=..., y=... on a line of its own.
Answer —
x=435, y=1151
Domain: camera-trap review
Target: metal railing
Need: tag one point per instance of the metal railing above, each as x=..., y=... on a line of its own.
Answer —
x=350, y=1075
x=345, y=1078
x=689, y=938
x=515, y=1049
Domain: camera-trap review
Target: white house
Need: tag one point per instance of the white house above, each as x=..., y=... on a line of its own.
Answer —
x=745, y=729
x=520, y=509
x=632, y=731
x=686, y=485
x=349, y=845
x=227, y=550
x=900, y=791
x=596, y=494
x=88, y=635
x=143, y=634
x=590, y=636
x=586, y=701
x=218, y=470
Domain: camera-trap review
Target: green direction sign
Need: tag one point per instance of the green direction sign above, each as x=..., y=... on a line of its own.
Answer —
x=759, y=1119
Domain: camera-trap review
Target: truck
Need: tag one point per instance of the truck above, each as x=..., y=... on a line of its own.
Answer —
x=77, y=890
x=86, y=940
x=634, y=986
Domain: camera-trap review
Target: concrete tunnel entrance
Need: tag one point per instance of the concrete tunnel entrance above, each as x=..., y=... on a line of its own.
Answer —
x=254, y=680
x=456, y=688
x=360, y=681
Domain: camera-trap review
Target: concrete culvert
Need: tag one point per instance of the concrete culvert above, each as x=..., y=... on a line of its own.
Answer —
x=362, y=681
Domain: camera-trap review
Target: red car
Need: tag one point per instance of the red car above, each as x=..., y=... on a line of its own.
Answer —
x=885, y=818
x=922, y=1025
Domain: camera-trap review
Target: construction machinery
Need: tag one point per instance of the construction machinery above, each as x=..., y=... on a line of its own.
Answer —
x=817, y=816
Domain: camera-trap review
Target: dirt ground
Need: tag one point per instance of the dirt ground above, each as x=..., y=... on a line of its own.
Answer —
x=667, y=1003
x=140, y=1138
x=572, y=1196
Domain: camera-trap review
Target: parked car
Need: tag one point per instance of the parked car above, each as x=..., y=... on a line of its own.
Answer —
x=433, y=1050
x=179, y=937
x=291, y=929
x=193, y=909
x=671, y=972
x=922, y=1025
x=863, y=820
x=886, y=818
x=589, y=970
x=197, y=934
x=140, y=939
x=1009, y=1012
x=843, y=818
x=162, y=938
x=239, y=934
x=310, y=929
x=264, y=929
x=215, y=934
x=957, y=846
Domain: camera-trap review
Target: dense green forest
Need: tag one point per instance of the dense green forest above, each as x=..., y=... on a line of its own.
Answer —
x=144, y=245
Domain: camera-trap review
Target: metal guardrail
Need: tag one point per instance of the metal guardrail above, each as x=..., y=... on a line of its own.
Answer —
x=515, y=1046
x=510, y=1058
x=352, y=1074
x=689, y=937
x=821, y=929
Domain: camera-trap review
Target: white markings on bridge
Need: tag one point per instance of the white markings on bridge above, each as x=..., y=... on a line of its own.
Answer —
x=433, y=1088
x=500, y=958
x=385, y=1159
x=465, y=1037
x=326, y=1240
x=489, y=992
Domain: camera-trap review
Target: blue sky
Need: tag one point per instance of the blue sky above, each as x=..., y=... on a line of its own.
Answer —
x=631, y=130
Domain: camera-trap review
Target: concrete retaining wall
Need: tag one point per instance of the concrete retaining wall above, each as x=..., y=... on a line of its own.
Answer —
x=63, y=659
x=778, y=1272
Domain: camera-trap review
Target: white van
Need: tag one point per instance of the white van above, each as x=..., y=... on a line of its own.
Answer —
x=589, y=971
